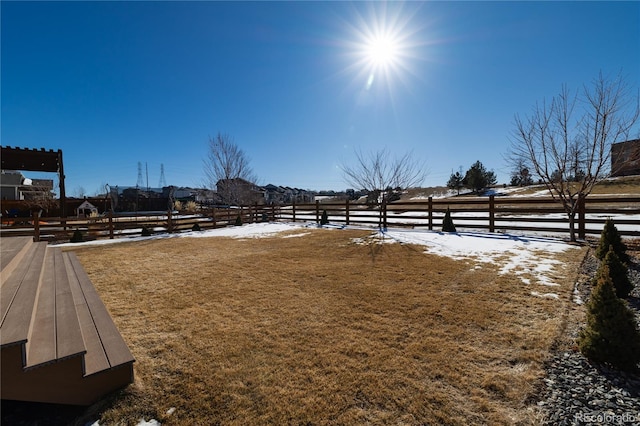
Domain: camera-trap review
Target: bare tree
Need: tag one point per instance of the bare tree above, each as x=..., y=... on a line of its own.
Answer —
x=383, y=176
x=227, y=170
x=567, y=142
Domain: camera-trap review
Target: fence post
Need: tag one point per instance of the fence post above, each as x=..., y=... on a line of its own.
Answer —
x=581, y=217
x=213, y=216
x=384, y=215
x=273, y=212
x=347, y=212
x=492, y=213
x=293, y=208
x=36, y=226
x=318, y=212
x=169, y=222
x=110, y=225
x=430, y=212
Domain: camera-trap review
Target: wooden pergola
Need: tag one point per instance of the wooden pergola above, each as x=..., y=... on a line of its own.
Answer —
x=35, y=160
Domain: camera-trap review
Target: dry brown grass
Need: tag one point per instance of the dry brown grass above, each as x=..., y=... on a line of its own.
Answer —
x=319, y=330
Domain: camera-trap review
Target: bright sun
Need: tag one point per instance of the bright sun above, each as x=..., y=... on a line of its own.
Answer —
x=382, y=51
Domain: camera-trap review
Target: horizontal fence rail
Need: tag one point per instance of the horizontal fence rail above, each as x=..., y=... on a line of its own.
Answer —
x=128, y=224
x=493, y=214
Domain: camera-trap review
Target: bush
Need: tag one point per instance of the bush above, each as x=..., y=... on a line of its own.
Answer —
x=191, y=206
x=617, y=272
x=77, y=237
x=324, y=219
x=611, y=335
x=611, y=237
x=238, y=221
x=146, y=232
x=447, y=222
x=195, y=227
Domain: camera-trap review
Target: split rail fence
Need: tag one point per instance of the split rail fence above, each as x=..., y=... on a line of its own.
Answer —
x=492, y=214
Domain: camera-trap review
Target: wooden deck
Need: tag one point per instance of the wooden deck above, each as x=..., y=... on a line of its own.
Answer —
x=58, y=343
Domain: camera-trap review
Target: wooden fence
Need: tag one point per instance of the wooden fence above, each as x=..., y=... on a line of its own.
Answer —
x=123, y=225
x=493, y=214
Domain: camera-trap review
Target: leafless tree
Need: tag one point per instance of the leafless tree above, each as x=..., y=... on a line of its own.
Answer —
x=227, y=170
x=39, y=196
x=567, y=142
x=382, y=175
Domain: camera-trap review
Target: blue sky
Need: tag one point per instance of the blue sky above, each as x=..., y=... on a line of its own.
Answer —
x=117, y=83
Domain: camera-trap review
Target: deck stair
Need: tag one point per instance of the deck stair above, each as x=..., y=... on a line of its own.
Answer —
x=58, y=343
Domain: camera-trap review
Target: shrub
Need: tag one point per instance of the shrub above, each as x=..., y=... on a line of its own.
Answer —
x=238, y=221
x=611, y=335
x=191, y=206
x=611, y=237
x=177, y=205
x=324, y=219
x=146, y=232
x=617, y=272
x=77, y=236
x=195, y=227
x=447, y=222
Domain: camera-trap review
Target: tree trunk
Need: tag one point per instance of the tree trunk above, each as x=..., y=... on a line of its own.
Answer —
x=572, y=226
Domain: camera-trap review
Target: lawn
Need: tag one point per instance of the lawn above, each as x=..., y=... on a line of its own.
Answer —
x=325, y=327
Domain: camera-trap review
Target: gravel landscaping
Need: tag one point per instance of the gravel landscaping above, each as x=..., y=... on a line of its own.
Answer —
x=578, y=392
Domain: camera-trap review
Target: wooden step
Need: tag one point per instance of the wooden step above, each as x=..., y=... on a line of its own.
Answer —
x=105, y=346
x=13, y=250
x=59, y=344
x=18, y=295
x=55, y=328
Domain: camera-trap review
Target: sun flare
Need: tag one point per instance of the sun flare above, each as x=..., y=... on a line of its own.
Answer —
x=382, y=51
x=384, y=45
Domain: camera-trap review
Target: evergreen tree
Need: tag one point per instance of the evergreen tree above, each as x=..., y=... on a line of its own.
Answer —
x=611, y=237
x=447, y=222
x=324, y=219
x=195, y=227
x=77, y=237
x=238, y=221
x=611, y=335
x=146, y=232
x=617, y=272
x=456, y=182
x=478, y=177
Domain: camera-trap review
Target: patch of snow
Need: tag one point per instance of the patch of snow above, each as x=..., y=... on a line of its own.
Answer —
x=518, y=255
x=301, y=234
x=545, y=295
x=152, y=422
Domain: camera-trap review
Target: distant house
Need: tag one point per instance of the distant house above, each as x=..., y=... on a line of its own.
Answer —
x=10, y=184
x=15, y=187
x=625, y=158
x=285, y=195
x=86, y=209
x=239, y=191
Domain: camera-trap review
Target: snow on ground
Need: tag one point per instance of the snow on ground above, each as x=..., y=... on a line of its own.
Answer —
x=530, y=257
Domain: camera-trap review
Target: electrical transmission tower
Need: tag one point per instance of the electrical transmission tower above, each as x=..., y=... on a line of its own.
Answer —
x=163, y=181
x=140, y=183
